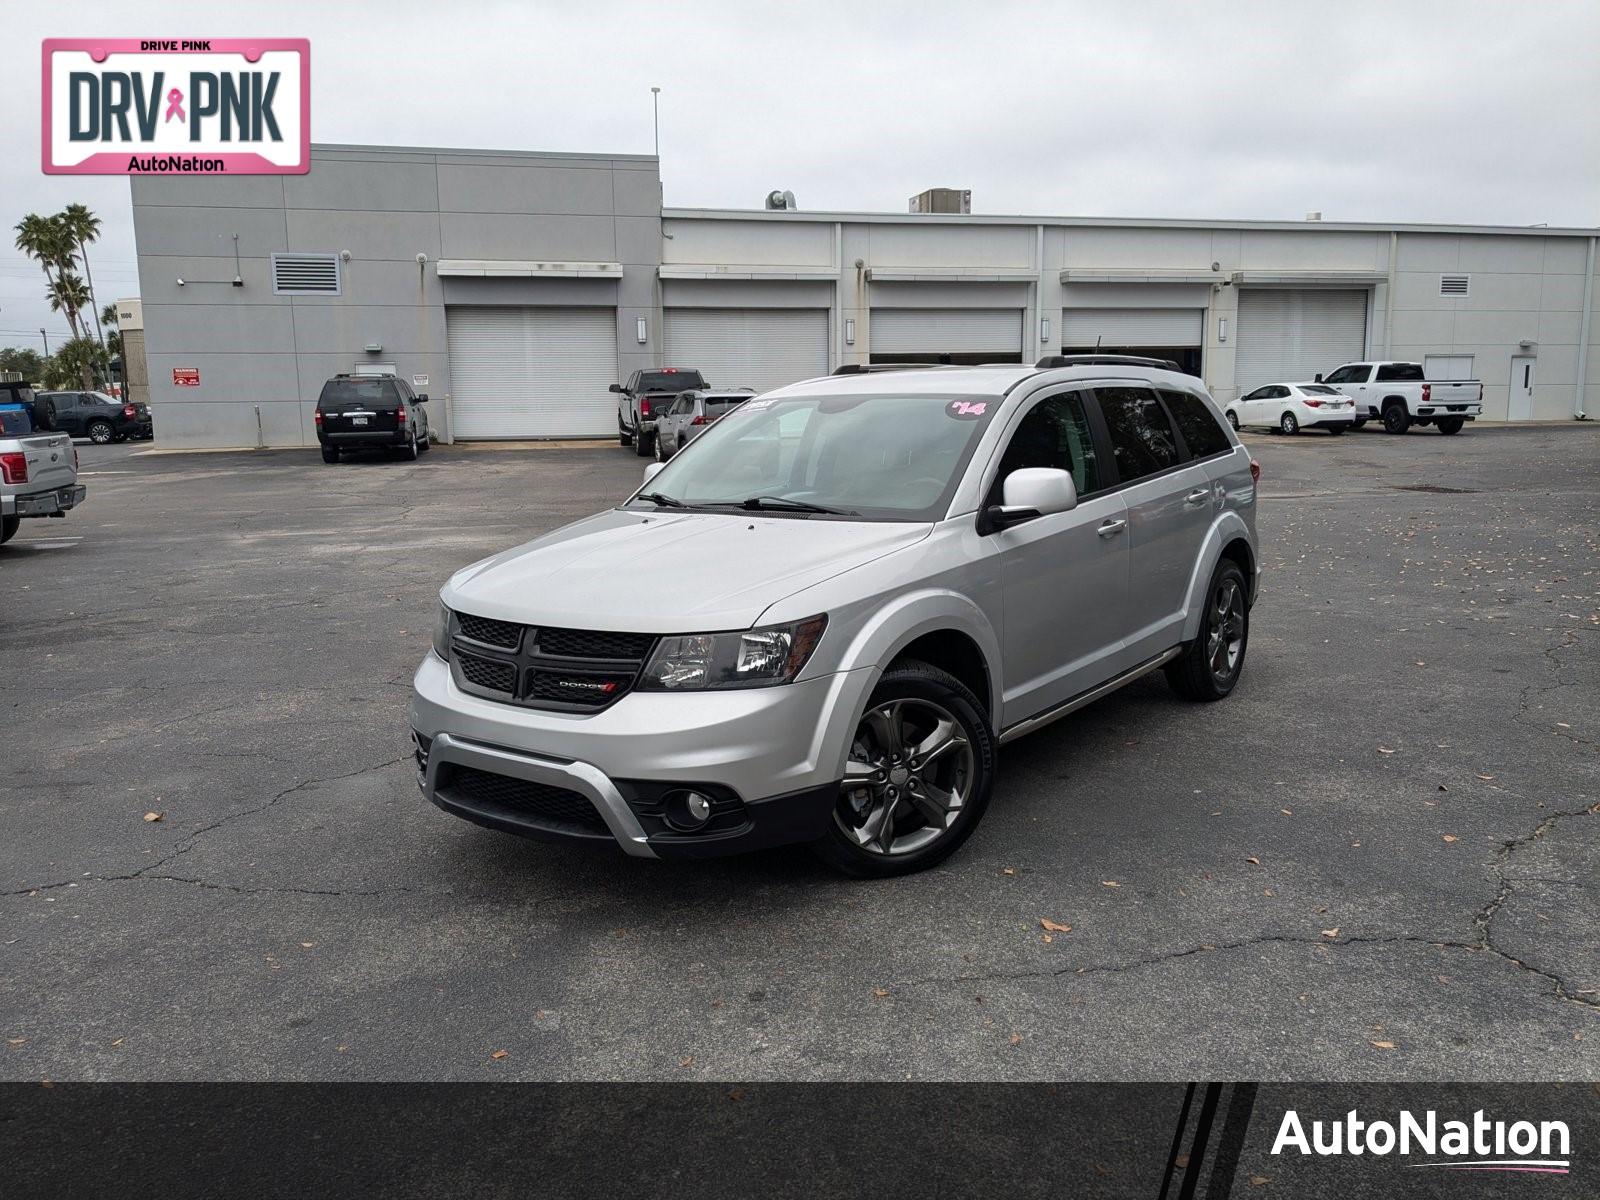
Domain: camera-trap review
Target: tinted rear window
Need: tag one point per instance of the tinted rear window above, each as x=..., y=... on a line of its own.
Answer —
x=1141, y=435
x=670, y=381
x=359, y=391
x=14, y=422
x=1399, y=372
x=1202, y=432
x=1316, y=389
x=716, y=406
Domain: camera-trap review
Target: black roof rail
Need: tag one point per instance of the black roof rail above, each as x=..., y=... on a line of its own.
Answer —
x=874, y=368
x=1106, y=360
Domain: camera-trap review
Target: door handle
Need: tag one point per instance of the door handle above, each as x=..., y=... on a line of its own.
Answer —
x=1109, y=528
x=1198, y=496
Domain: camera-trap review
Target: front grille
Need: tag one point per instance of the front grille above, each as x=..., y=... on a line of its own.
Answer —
x=490, y=632
x=566, y=670
x=490, y=673
x=585, y=643
x=485, y=791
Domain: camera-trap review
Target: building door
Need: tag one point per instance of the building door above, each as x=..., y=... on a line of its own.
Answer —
x=760, y=348
x=1173, y=333
x=1523, y=379
x=532, y=372
x=963, y=336
x=1292, y=335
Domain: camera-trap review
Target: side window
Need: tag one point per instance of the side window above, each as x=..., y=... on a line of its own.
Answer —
x=1279, y=392
x=1399, y=372
x=1202, y=433
x=1055, y=433
x=1342, y=375
x=1141, y=434
x=1259, y=394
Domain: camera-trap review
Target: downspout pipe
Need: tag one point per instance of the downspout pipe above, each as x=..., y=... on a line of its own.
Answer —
x=1585, y=335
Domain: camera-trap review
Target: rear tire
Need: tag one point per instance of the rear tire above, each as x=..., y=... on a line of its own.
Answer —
x=1395, y=417
x=1449, y=425
x=1289, y=424
x=8, y=528
x=1336, y=430
x=101, y=434
x=409, y=451
x=1233, y=420
x=330, y=454
x=918, y=699
x=644, y=444
x=1209, y=667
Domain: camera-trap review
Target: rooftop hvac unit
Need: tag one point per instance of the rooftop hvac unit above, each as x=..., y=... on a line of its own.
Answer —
x=779, y=201
x=942, y=200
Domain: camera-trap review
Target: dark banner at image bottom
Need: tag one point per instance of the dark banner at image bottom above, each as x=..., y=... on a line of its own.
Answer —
x=1163, y=1141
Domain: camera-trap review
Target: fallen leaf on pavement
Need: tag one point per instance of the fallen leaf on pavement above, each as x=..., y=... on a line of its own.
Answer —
x=736, y=1094
x=1253, y=861
x=15, y=1041
x=1008, y=870
x=1450, y=837
x=1016, y=1039
x=1486, y=778
x=1259, y=1181
x=1331, y=933
x=686, y=1061
x=154, y=816
x=1384, y=1045
x=1183, y=1162
x=880, y=993
x=1384, y=750
x=1109, y=883
x=500, y=1054
x=1047, y=923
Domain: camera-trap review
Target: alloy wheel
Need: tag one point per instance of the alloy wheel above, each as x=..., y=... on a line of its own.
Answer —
x=1225, y=630
x=909, y=774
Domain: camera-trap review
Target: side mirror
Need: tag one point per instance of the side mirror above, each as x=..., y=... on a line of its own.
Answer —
x=615, y=387
x=1318, y=379
x=651, y=470
x=422, y=398
x=1029, y=493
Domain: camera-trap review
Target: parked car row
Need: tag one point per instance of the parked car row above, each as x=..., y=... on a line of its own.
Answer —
x=38, y=471
x=1396, y=393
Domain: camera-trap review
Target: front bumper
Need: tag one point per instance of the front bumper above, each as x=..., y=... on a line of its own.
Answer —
x=772, y=756
x=51, y=503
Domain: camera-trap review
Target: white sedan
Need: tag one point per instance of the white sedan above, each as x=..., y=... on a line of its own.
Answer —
x=1291, y=407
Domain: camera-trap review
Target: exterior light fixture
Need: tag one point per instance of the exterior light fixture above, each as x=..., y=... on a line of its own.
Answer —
x=1222, y=329
x=374, y=347
x=1044, y=329
x=849, y=331
x=642, y=330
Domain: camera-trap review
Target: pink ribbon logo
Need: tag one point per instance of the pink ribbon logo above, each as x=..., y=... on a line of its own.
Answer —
x=175, y=105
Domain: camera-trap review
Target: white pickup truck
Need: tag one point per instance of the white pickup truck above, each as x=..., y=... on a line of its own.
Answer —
x=1398, y=394
x=38, y=472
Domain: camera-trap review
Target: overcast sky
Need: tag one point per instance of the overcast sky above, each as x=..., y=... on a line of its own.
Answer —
x=1458, y=111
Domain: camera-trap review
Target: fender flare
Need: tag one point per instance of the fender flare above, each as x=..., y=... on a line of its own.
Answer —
x=906, y=618
x=1228, y=527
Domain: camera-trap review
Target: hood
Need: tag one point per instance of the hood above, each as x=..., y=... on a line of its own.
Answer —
x=668, y=572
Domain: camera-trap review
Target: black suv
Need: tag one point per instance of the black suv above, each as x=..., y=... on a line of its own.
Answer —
x=94, y=415
x=356, y=412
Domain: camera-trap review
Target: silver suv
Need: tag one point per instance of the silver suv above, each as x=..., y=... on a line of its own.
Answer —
x=860, y=587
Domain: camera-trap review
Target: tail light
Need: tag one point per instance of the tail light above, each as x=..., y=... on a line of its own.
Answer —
x=1255, y=471
x=14, y=467
x=644, y=406
x=1312, y=403
x=316, y=416
x=1427, y=393
x=400, y=417
x=699, y=421
x=129, y=411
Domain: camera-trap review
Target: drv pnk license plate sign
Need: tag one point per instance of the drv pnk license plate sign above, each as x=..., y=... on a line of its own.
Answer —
x=208, y=106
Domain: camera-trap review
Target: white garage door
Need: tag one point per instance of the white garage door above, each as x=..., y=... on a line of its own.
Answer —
x=1289, y=335
x=532, y=372
x=1165, y=327
x=761, y=348
x=946, y=331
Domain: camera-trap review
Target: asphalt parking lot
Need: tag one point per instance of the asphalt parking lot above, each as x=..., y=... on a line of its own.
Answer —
x=1377, y=860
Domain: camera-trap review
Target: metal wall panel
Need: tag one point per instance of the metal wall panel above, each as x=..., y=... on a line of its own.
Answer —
x=1292, y=335
x=1132, y=326
x=532, y=372
x=761, y=348
x=946, y=330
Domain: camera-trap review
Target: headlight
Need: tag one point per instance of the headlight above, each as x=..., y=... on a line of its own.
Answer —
x=441, y=633
x=755, y=658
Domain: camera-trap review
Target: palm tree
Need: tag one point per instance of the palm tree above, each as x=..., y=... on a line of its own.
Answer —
x=83, y=227
x=40, y=239
x=68, y=295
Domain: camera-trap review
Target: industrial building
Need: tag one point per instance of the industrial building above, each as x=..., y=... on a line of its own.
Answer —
x=514, y=287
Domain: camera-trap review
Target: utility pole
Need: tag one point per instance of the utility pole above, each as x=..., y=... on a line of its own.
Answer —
x=46, y=338
x=655, y=105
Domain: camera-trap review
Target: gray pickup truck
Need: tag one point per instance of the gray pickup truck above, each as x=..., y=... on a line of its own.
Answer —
x=38, y=471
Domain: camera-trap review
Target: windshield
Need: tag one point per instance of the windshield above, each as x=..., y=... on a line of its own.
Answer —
x=896, y=458
x=359, y=391
x=670, y=381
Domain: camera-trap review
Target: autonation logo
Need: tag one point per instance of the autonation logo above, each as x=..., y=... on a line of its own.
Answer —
x=1480, y=1144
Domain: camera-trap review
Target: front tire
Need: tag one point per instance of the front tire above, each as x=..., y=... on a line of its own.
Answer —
x=1209, y=667
x=661, y=454
x=1358, y=423
x=1395, y=417
x=1449, y=425
x=919, y=776
x=1336, y=430
x=101, y=433
x=1289, y=424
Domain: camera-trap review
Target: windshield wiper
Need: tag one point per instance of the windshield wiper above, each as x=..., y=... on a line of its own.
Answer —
x=661, y=499
x=781, y=504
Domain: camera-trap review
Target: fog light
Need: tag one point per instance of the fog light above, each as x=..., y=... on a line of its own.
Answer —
x=687, y=811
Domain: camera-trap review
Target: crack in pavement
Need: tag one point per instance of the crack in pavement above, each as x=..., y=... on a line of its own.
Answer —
x=188, y=841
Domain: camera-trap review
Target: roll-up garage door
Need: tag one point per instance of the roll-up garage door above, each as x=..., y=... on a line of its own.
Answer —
x=532, y=372
x=955, y=331
x=760, y=348
x=1288, y=335
x=1132, y=326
